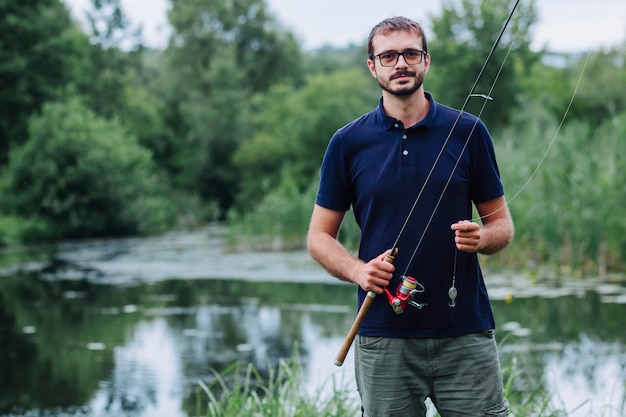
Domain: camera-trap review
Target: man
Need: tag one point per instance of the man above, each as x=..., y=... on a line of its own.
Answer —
x=382, y=164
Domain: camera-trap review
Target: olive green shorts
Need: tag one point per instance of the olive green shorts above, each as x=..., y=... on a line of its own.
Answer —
x=460, y=375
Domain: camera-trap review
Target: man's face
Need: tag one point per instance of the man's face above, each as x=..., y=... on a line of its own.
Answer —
x=400, y=79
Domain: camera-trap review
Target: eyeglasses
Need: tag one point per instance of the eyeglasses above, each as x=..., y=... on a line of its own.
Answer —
x=411, y=57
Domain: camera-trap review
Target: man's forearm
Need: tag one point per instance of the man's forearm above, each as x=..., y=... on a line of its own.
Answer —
x=495, y=236
x=329, y=253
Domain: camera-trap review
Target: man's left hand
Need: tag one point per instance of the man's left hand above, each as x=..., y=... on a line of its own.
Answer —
x=466, y=235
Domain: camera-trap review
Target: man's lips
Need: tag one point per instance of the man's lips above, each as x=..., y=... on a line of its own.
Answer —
x=403, y=75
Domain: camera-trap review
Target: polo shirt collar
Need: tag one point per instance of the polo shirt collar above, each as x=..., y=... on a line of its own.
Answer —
x=388, y=121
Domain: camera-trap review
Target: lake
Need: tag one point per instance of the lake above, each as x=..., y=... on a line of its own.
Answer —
x=127, y=327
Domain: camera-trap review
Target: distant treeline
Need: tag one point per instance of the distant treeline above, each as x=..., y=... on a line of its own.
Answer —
x=101, y=136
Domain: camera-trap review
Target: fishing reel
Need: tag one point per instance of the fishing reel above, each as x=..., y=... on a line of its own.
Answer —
x=405, y=293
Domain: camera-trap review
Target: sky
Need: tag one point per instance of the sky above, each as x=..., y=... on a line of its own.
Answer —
x=564, y=25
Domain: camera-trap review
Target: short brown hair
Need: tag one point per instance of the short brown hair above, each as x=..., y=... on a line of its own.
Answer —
x=394, y=24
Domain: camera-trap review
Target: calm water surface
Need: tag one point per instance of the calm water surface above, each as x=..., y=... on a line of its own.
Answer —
x=128, y=327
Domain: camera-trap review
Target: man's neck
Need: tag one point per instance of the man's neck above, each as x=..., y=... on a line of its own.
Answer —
x=408, y=109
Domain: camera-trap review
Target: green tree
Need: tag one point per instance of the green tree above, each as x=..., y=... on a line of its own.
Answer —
x=329, y=59
x=263, y=51
x=112, y=62
x=546, y=89
x=598, y=99
x=143, y=117
x=589, y=78
x=463, y=36
x=293, y=129
x=220, y=55
x=85, y=176
x=111, y=28
x=39, y=50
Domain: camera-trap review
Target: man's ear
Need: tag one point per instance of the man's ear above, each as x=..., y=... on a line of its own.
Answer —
x=371, y=64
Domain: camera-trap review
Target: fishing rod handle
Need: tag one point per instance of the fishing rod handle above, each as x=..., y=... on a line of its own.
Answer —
x=365, y=306
x=343, y=352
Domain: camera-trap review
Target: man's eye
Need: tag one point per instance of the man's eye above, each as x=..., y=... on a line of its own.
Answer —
x=388, y=56
x=411, y=54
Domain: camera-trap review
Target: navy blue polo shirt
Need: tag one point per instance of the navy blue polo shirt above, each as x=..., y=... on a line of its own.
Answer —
x=378, y=167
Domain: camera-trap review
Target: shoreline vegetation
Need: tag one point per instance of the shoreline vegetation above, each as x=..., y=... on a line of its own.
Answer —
x=243, y=392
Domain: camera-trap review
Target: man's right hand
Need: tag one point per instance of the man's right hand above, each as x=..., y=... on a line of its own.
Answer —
x=375, y=275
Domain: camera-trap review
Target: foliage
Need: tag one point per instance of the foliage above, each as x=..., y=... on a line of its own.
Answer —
x=14, y=230
x=526, y=401
x=598, y=99
x=463, y=36
x=281, y=394
x=278, y=222
x=565, y=188
x=85, y=176
x=592, y=76
x=547, y=89
x=111, y=63
x=263, y=52
x=281, y=219
x=110, y=28
x=220, y=54
x=294, y=127
x=328, y=60
x=38, y=51
x=142, y=117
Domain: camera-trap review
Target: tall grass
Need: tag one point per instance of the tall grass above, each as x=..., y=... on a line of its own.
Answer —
x=280, y=221
x=234, y=393
x=566, y=193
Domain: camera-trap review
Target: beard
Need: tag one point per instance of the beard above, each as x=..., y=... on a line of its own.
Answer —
x=405, y=89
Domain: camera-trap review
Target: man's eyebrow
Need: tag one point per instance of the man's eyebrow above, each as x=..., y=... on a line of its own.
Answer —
x=404, y=50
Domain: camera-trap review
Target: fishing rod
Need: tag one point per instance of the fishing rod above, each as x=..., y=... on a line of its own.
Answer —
x=409, y=286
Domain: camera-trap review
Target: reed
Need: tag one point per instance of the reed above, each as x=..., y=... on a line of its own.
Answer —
x=278, y=222
x=282, y=393
x=566, y=193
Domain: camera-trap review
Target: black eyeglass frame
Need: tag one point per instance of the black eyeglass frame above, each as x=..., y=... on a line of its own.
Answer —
x=422, y=54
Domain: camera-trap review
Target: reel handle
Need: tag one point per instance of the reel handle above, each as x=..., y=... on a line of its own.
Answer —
x=365, y=306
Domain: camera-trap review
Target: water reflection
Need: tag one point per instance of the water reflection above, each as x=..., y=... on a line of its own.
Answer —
x=128, y=327
x=147, y=376
x=572, y=372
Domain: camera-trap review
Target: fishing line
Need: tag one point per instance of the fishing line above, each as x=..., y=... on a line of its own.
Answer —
x=549, y=147
x=556, y=133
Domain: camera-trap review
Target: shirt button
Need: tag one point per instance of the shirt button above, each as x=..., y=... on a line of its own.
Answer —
x=405, y=152
x=395, y=125
x=404, y=136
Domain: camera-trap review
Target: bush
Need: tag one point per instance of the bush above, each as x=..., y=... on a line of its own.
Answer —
x=84, y=176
